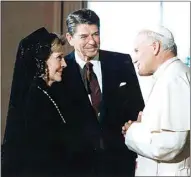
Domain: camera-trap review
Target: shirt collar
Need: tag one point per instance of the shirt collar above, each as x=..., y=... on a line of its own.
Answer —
x=82, y=63
x=162, y=67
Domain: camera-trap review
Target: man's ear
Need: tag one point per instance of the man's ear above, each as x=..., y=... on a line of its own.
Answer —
x=156, y=47
x=69, y=39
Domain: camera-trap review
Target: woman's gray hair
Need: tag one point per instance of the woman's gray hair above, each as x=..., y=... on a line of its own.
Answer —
x=163, y=35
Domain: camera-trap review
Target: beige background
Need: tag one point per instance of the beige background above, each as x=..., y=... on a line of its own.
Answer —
x=18, y=19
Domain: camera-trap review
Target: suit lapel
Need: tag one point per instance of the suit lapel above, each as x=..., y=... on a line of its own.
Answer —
x=74, y=78
x=109, y=73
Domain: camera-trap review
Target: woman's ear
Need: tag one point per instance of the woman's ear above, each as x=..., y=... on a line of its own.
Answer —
x=69, y=39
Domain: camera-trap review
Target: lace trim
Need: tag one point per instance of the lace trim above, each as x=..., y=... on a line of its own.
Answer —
x=54, y=103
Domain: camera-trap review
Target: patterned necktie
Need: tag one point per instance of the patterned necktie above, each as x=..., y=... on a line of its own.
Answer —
x=92, y=86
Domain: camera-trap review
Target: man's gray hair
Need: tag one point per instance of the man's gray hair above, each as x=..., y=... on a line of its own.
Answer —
x=163, y=35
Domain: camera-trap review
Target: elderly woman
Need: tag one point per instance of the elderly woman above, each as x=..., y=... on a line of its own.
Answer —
x=34, y=141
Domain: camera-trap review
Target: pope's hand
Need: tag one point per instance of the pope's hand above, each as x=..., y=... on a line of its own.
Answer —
x=130, y=122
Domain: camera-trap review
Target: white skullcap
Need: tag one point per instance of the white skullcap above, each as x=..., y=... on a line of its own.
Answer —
x=165, y=32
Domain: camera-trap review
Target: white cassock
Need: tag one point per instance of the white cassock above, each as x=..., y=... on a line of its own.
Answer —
x=162, y=138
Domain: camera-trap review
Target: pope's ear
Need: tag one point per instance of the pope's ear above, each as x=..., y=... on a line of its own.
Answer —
x=69, y=39
x=156, y=47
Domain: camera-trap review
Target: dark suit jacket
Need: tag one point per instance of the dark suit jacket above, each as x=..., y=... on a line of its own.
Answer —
x=119, y=104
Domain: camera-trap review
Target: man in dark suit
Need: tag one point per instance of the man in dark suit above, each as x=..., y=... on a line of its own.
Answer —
x=103, y=92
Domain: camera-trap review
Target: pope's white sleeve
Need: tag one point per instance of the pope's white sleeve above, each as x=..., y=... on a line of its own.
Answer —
x=164, y=145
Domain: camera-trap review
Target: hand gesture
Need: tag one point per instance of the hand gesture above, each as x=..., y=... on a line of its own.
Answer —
x=130, y=122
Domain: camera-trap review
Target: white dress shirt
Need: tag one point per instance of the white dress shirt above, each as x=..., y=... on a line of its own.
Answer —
x=161, y=138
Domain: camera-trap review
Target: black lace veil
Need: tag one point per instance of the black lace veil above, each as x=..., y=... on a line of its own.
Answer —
x=32, y=52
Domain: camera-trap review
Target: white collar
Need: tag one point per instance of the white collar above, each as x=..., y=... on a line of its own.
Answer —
x=81, y=62
x=162, y=67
